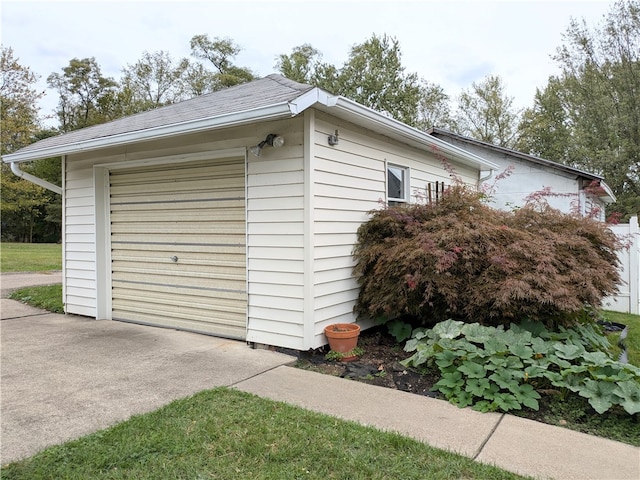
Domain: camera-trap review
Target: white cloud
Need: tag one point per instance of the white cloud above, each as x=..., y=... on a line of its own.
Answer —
x=451, y=43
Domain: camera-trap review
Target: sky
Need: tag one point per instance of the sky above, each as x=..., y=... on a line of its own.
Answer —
x=451, y=43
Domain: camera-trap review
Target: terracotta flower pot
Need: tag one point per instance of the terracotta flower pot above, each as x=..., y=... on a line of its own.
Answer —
x=343, y=337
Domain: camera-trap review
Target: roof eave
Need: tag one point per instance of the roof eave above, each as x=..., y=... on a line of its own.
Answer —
x=270, y=112
x=403, y=132
x=610, y=197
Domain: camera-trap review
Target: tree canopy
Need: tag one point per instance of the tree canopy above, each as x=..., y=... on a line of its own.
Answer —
x=589, y=115
x=486, y=113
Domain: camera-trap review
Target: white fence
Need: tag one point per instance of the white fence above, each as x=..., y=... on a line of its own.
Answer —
x=628, y=298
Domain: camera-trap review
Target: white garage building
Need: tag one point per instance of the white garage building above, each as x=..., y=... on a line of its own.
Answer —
x=169, y=219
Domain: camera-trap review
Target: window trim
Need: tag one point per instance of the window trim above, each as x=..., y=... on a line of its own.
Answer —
x=406, y=180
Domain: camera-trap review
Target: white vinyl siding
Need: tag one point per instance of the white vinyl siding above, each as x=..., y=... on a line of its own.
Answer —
x=79, y=237
x=275, y=227
x=350, y=180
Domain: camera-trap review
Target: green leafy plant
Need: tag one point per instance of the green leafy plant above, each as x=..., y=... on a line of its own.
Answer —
x=459, y=258
x=334, y=356
x=491, y=368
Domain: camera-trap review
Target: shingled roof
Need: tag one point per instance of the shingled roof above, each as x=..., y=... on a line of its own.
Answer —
x=267, y=91
x=269, y=98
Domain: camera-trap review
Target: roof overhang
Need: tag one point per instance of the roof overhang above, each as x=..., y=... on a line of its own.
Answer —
x=276, y=111
x=340, y=107
x=360, y=115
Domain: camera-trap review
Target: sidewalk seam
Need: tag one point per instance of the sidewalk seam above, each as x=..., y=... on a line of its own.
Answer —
x=234, y=384
x=30, y=315
x=486, y=440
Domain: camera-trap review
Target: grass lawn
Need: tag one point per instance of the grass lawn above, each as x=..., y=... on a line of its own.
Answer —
x=48, y=297
x=30, y=257
x=226, y=434
x=633, y=336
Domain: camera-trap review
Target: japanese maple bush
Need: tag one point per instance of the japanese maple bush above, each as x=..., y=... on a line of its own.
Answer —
x=459, y=258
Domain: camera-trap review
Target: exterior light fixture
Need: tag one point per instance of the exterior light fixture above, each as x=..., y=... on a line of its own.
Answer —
x=273, y=140
x=333, y=139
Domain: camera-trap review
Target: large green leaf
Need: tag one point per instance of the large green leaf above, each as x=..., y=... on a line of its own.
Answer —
x=472, y=369
x=448, y=329
x=567, y=351
x=521, y=349
x=506, y=402
x=629, y=393
x=478, y=386
x=600, y=394
x=445, y=359
x=399, y=329
x=474, y=332
x=503, y=378
x=494, y=345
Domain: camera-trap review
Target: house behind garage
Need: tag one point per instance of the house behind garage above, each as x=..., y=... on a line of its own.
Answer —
x=565, y=188
x=169, y=220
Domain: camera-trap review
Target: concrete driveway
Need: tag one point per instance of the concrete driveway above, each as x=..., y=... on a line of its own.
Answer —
x=65, y=376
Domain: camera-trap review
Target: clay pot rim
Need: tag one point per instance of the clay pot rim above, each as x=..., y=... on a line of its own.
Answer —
x=338, y=329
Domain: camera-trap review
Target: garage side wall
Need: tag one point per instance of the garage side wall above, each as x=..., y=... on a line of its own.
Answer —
x=350, y=181
x=275, y=240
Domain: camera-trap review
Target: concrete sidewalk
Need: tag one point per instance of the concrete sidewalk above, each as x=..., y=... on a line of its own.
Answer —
x=515, y=444
x=65, y=376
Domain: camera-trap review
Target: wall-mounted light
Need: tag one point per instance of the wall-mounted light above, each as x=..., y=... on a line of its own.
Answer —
x=272, y=140
x=333, y=139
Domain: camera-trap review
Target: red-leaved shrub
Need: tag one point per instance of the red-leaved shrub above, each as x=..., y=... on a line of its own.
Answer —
x=459, y=258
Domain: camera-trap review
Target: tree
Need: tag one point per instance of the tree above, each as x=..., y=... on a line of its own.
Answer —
x=598, y=91
x=373, y=76
x=23, y=205
x=486, y=113
x=301, y=65
x=545, y=129
x=86, y=97
x=19, y=120
x=220, y=52
x=434, y=108
x=154, y=80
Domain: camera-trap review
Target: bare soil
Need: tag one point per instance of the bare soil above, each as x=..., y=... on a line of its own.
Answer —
x=379, y=365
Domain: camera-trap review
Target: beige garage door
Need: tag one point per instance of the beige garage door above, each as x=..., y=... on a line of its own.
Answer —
x=178, y=246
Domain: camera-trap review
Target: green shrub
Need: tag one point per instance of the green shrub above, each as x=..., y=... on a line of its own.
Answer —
x=459, y=258
x=492, y=368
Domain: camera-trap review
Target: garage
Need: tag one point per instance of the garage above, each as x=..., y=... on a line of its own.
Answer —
x=190, y=217
x=178, y=246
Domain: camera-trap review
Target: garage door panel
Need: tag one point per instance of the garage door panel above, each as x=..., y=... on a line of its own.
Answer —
x=228, y=258
x=219, y=279
x=179, y=239
x=195, y=213
x=184, y=307
x=175, y=293
x=223, y=328
x=152, y=175
x=168, y=228
x=170, y=187
x=180, y=215
x=236, y=202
